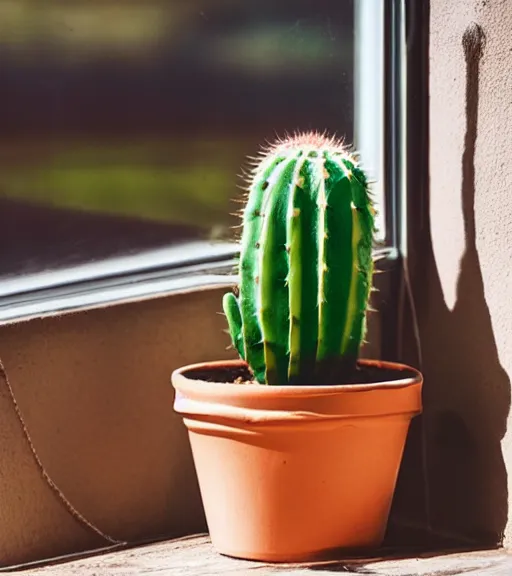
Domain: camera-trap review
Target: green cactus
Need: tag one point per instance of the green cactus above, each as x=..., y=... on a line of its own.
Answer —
x=305, y=264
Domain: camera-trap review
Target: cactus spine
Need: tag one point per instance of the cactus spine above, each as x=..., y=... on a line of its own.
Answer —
x=305, y=264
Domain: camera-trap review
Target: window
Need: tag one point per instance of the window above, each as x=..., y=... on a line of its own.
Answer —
x=126, y=122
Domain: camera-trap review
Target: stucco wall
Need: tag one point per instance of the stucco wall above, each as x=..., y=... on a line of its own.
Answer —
x=95, y=394
x=466, y=303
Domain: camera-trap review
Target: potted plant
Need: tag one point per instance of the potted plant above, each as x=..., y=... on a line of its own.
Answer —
x=297, y=445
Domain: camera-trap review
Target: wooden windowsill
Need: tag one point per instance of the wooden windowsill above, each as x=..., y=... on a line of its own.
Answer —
x=195, y=556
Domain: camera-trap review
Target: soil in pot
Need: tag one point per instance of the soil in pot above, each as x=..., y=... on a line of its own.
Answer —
x=362, y=374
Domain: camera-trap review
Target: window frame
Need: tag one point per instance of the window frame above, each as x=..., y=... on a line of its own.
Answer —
x=212, y=264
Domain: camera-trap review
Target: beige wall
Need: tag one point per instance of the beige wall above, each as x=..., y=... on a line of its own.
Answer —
x=94, y=389
x=465, y=300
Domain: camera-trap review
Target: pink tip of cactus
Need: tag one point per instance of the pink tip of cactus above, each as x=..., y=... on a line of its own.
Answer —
x=314, y=140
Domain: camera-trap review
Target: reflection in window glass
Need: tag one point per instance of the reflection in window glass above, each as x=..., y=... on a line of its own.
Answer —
x=126, y=122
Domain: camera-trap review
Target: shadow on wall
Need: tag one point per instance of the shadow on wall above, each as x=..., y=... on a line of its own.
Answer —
x=467, y=392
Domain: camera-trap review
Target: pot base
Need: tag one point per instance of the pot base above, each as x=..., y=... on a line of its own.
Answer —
x=304, y=556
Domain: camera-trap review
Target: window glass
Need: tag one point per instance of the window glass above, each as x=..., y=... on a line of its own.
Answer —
x=124, y=123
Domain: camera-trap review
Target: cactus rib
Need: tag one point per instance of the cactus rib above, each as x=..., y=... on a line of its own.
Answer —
x=231, y=308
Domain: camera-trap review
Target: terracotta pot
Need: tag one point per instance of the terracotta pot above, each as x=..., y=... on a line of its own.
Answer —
x=294, y=473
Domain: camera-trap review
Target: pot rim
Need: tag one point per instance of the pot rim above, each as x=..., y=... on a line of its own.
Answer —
x=186, y=374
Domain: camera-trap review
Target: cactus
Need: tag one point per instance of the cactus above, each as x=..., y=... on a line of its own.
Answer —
x=305, y=264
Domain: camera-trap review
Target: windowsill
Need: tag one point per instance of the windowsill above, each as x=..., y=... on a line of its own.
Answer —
x=153, y=273
x=176, y=269
x=195, y=556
